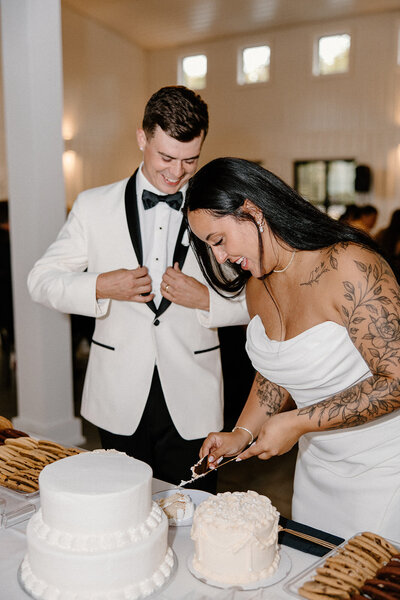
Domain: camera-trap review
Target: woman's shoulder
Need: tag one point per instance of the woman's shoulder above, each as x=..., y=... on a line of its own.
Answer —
x=352, y=261
x=343, y=254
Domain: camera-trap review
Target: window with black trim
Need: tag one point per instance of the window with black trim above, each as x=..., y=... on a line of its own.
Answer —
x=329, y=184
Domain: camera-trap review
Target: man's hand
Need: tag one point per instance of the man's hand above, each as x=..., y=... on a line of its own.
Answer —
x=125, y=284
x=184, y=290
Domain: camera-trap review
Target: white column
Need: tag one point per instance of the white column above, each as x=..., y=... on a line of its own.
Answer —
x=32, y=81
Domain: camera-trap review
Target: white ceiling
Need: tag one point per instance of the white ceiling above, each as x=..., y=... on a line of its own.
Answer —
x=155, y=24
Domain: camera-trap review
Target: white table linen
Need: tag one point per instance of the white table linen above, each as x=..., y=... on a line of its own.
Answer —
x=183, y=585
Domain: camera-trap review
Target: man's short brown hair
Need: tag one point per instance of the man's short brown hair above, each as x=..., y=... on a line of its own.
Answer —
x=179, y=111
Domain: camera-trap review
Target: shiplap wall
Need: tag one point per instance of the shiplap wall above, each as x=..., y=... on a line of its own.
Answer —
x=297, y=116
x=104, y=94
x=107, y=81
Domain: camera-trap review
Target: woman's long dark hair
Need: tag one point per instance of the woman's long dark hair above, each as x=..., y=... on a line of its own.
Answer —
x=222, y=186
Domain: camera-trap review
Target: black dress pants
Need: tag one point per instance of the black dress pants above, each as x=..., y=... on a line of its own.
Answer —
x=157, y=442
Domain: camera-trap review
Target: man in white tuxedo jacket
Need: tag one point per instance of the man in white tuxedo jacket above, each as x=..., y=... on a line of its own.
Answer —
x=153, y=384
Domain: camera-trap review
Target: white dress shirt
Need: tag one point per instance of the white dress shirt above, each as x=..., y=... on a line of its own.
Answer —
x=159, y=229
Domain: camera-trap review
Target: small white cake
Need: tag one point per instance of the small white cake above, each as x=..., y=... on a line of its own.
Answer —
x=97, y=534
x=177, y=507
x=236, y=538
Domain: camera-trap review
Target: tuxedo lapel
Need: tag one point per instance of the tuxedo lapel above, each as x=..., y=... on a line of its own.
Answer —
x=132, y=217
x=179, y=257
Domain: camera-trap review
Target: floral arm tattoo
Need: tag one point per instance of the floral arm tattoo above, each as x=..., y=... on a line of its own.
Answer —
x=371, y=314
x=269, y=395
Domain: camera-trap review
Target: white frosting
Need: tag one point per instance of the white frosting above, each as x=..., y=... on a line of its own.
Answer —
x=76, y=492
x=98, y=535
x=92, y=542
x=236, y=538
x=42, y=589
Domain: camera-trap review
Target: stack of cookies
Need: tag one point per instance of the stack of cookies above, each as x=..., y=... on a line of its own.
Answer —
x=367, y=566
x=22, y=457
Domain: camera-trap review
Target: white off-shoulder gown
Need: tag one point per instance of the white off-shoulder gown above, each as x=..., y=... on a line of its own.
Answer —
x=346, y=480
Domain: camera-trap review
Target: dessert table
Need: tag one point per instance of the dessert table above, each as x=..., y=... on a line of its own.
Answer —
x=182, y=586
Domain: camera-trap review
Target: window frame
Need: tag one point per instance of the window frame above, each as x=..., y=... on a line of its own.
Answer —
x=327, y=202
x=315, y=53
x=180, y=74
x=239, y=64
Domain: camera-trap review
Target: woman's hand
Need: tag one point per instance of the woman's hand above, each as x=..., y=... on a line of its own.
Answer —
x=218, y=445
x=277, y=435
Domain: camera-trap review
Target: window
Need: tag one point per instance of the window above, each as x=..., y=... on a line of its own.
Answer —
x=254, y=65
x=329, y=184
x=194, y=71
x=332, y=54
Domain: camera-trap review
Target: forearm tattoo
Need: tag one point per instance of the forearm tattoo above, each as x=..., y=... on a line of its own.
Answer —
x=269, y=395
x=372, y=319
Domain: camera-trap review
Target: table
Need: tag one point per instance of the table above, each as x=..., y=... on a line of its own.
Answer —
x=183, y=586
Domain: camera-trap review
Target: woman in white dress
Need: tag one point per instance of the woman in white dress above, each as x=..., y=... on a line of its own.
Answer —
x=324, y=333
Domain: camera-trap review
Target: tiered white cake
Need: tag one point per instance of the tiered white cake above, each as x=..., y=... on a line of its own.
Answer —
x=236, y=538
x=97, y=535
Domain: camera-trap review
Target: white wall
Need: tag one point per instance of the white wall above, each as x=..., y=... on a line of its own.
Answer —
x=296, y=116
x=3, y=164
x=104, y=95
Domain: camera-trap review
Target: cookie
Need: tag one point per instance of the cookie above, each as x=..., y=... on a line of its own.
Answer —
x=352, y=578
x=337, y=583
x=357, y=556
x=6, y=468
x=5, y=423
x=50, y=445
x=312, y=595
x=21, y=483
x=321, y=588
x=372, y=547
x=344, y=565
x=35, y=455
x=72, y=451
x=384, y=584
x=389, y=572
x=380, y=541
x=378, y=555
x=7, y=453
x=21, y=442
x=23, y=463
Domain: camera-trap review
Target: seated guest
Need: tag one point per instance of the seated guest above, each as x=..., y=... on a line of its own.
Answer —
x=325, y=329
x=368, y=217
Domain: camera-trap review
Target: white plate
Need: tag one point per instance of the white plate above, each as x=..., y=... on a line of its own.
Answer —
x=197, y=497
x=285, y=564
x=297, y=581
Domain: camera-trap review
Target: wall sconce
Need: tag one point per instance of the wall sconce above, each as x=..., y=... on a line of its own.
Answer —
x=69, y=161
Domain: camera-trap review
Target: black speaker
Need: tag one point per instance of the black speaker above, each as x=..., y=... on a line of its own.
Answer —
x=363, y=179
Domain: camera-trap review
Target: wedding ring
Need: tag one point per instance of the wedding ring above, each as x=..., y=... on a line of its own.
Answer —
x=166, y=287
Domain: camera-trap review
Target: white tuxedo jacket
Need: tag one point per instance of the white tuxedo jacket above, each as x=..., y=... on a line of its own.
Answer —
x=102, y=234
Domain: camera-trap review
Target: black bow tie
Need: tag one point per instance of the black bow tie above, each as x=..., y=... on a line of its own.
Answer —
x=150, y=199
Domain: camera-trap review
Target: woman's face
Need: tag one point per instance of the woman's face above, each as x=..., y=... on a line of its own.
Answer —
x=229, y=238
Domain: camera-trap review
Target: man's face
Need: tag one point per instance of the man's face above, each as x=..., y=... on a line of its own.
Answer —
x=168, y=163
